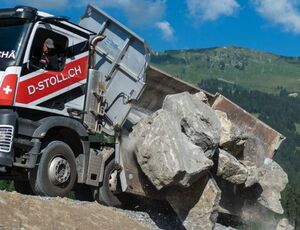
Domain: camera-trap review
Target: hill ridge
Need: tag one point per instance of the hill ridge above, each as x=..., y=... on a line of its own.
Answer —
x=254, y=50
x=250, y=68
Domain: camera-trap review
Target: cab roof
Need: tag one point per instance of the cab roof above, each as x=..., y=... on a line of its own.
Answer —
x=33, y=14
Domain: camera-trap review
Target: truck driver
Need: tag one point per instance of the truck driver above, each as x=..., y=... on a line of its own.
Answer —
x=49, y=59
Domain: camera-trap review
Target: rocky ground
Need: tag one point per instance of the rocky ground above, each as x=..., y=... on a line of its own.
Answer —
x=24, y=212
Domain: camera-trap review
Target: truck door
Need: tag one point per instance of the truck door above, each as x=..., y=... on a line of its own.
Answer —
x=58, y=87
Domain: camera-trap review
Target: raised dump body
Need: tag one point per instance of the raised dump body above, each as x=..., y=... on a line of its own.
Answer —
x=122, y=58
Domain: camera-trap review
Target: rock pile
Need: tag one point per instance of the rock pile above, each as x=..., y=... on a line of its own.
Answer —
x=191, y=151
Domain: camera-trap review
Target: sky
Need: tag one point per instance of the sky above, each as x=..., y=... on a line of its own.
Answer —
x=265, y=25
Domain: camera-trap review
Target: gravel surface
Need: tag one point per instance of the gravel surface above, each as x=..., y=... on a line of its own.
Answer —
x=154, y=214
x=155, y=221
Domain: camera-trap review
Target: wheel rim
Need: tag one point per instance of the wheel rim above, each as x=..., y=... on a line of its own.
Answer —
x=59, y=171
x=112, y=182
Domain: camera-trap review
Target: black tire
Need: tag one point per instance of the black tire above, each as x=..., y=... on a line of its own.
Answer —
x=41, y=178
x=103, y=194
x=23, y=187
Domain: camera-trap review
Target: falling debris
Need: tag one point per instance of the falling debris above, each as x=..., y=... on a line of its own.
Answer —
x=284, y=225
x=273, y=180
x=187, y=148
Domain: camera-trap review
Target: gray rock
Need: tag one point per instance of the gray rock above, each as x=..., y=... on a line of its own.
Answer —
x=201, y=96
x=226, y=127
x=273, y=180
x=230, y=169
x=198, y=120
x=222, y=227
x=284, y=225
x=165, y=154
x=253, y=173
x=232, y=139
x=197, y=206
x=255, y=150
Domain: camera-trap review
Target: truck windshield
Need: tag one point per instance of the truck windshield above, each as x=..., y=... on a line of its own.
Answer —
x=12, y=33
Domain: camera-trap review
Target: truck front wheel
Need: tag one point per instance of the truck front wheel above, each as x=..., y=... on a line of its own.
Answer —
x=56, y=172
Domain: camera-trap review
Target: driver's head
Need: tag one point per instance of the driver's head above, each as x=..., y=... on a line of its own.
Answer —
x=48, y=44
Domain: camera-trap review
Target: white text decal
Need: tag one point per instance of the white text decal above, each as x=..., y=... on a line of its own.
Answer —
x=8, y=54
x=53, y=80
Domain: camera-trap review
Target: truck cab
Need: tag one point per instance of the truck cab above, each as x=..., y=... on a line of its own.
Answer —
x=42, y=107
x=60, y=126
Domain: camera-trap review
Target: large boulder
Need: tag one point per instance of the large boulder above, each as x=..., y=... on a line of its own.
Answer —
x=165, y=154
x=198, y=120
x=197, y=206
x=273, y=180
x=230, y=169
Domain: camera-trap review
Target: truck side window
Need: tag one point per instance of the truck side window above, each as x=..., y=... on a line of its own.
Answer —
x=49, y=50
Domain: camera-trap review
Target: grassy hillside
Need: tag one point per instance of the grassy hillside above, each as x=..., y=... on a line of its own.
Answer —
x=249, y=68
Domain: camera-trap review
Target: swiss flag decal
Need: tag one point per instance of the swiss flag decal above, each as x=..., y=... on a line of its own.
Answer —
x=7, y=89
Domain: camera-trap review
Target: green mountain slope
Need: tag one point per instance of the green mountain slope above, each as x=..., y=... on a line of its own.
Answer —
x=249, y=68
